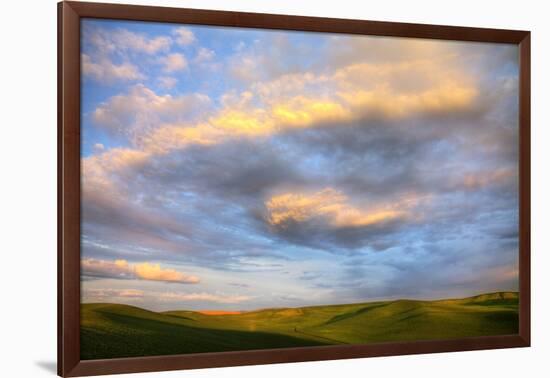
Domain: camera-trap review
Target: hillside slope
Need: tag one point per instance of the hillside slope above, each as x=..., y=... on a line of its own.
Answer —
x=111, y=330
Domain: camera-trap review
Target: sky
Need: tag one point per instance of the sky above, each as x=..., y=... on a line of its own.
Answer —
x=236, y=169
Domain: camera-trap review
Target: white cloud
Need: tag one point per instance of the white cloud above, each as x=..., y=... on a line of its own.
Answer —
x=122, y=40
x=246, y=68
x=108, y=53
x=204, y=55
x=167, y=82
x=184, y=36
x=174, y=62
x=106, y=71
x=138, y=112
x=99, y=147
x=125, y=39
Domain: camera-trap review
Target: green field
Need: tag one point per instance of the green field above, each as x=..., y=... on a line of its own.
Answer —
x=113, y=330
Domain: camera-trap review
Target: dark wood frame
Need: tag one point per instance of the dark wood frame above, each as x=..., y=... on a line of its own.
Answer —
x=69, y=14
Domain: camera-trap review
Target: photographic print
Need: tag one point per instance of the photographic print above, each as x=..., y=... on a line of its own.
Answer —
x=247, y=189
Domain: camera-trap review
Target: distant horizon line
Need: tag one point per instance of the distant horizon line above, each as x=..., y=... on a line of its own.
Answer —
x=236, y=312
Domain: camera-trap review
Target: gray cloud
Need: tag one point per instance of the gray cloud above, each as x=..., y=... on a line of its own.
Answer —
x=228, y=184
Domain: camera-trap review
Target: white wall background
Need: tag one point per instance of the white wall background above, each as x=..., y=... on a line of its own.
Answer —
x=28, y=186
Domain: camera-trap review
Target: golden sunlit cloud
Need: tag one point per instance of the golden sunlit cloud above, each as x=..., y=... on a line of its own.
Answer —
x=282, y=106
x=121, y=269
x=330, y=205
x=301, y=111
x=357, y=91
x=243, y=123
x=153, y=272
x=383, y=102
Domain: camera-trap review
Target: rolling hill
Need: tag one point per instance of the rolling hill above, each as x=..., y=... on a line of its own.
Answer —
x=113, y=330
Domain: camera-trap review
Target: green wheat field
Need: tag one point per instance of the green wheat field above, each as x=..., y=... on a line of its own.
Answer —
x=114, y=330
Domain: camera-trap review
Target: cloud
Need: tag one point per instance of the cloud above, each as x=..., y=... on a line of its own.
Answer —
x=269, y=58
x=99, y=147
x=161, y=224
x=96, y=170
x=397, y=161
x=328, y=204
x=184, y=36
x=305, y=113
x=439, y=268
x=139, y=42
x=478, y=180
x=278, y=107
x=121, y=40
x=121, y=269
x=358, y=92
x=204, y=55
x=237, y=284
x=108, y=55
x=329, y=221
x=153, y=272
x=310, y=276
x=203, y=297
x=139, y=111
x=174, y=62
x=133, y=295
x=103, y=295
x=246, y=68
x=106, y=71
x=346, y=50
x=167, y=82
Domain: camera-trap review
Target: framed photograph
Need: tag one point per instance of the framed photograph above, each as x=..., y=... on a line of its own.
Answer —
x=239, y=188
